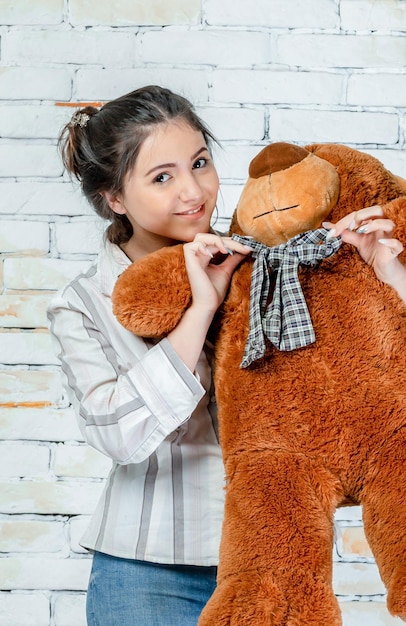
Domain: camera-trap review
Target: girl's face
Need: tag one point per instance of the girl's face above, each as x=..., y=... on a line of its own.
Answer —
x=171, y=193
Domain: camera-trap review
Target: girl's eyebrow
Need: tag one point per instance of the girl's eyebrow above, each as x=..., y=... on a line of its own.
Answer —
x=164, y=165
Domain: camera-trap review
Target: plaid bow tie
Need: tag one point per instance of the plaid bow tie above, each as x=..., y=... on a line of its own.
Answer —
x=286, y=322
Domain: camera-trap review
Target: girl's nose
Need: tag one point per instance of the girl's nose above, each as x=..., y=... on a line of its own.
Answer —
x=189, y=189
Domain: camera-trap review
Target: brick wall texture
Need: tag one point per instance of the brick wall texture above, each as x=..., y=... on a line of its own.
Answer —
x=268, y=70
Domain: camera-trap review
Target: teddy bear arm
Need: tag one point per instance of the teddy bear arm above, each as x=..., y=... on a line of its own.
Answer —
x=151, y=295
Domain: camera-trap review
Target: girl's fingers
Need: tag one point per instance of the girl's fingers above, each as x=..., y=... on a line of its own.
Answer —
x=198, y=248
x=236, y=246
x=367, y=213
x=373, y=226
x=355, y=220
x=210, y=239
x=394, y=245
x=225, y=245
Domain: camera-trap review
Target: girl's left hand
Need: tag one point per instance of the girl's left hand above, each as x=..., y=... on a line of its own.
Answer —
x=371, y=233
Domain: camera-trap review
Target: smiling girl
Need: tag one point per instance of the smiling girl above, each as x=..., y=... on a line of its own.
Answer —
x=144, y=163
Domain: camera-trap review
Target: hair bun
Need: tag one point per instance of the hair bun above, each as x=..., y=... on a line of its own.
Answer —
x=82, y=116
x=80, y=119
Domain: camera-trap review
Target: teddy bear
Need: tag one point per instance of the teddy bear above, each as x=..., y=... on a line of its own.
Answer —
x=311, y=407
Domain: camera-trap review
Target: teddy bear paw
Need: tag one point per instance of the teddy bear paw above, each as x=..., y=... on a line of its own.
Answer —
x=256, y=597
x=396, y=599
x=152, y=294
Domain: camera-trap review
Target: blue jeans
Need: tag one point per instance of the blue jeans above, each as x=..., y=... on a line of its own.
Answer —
x=126, y=592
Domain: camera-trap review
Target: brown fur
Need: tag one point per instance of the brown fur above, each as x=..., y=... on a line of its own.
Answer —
x=142, y=301
x=304, y=432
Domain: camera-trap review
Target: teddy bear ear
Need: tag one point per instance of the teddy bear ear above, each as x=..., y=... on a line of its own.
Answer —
x=152, y=294
x=276, y=157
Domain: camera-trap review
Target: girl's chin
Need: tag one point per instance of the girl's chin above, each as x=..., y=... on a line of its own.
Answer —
x=191, y=228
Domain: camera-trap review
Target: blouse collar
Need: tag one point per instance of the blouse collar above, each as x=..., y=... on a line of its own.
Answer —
x=112, y=262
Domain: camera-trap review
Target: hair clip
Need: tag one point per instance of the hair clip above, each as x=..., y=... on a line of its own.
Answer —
x=80, y=119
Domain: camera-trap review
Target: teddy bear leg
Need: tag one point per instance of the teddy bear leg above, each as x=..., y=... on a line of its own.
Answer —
x=384, y=514
x=276, y=551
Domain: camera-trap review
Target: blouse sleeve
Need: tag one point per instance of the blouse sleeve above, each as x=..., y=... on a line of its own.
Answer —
x=126, y=406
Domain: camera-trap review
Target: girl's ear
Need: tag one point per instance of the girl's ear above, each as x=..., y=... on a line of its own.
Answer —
x=115, y=202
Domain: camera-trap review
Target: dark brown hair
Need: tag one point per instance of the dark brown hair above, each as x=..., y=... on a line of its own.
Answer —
x=100, y=146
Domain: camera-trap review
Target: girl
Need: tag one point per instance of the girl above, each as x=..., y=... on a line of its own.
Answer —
x=144, y=163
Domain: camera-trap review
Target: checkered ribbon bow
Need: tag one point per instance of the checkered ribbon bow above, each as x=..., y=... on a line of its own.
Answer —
x=286, y=321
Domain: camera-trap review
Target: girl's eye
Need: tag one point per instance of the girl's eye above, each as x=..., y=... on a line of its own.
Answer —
x=199, y=163
x=161, y=178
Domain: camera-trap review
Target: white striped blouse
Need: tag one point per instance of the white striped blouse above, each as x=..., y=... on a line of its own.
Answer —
x=139, y=404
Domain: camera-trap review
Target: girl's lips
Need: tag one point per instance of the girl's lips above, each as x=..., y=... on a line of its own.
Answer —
x=192, y=212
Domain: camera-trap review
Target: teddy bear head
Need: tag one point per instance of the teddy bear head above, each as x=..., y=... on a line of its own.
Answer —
x=291, y=189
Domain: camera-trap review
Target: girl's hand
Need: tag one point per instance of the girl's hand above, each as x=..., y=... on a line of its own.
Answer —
x=208, y=280
x=371, y=233
x=209, y=283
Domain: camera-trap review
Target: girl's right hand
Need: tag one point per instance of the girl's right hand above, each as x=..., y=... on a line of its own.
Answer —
x=209, y=281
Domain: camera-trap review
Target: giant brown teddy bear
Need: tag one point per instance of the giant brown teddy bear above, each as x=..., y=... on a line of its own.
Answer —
x=303, y=431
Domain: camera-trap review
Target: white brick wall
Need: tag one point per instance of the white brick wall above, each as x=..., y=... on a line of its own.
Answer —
x=322, y=70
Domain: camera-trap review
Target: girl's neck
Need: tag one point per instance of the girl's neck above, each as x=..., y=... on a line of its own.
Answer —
x=139, y=246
